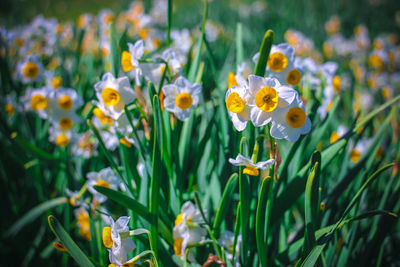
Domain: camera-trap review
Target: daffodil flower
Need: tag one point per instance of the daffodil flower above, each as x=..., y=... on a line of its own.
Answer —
x=290, y=122
x=251, y=168
x=188, y=229
x=30, y=70
x=113, y=94
x=105, y=178
x=236, y=100
x=130, y=60
x=227, y=240
x=116, y=238
x=266, y=94
x=181, y=97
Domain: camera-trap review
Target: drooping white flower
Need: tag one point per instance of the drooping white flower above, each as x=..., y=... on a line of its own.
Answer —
x=116, y=238
x=251, y=168
x=188, y=229
x=181, y=97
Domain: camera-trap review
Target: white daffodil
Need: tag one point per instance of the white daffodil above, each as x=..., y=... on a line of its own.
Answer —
x=251, y=168
x=181, y=97
x=37, y=100
x=266, y=94
x=105, y=178
x=336, y=135
x=85, y=146
x=227, y=240
x=236, y=100
x=130, y=60
x=290, y=122
x=65, y=100
x=31, y=70
x=359, y=149
x=61, y=137
x=154, y=71
x=117, y=239
x=113, y=95
x=188, y=229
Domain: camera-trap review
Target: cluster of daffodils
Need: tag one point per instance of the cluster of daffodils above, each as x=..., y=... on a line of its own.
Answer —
x=271, y=99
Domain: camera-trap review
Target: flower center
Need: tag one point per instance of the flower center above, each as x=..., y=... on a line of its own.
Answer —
x=184, y=100
x=38, y=102
x=111, y=97
x=277, y=61
x=253, y=171
x=334, y=137
x=126, y=61
x=103, y=183
x=56, y=82
x=179, y=219
x=293, y=78
x=125, y=142
x=266, y=99
x=107, y=240
x=65, y=123
x=336, y=84
x=62, y=140
x=178, y=247
x=66, y=103
x=30, y=70
x=102, y=116
x=296, y=117
x=234, y=103
x=231, y=80
x=10, y=109
x=355, y=155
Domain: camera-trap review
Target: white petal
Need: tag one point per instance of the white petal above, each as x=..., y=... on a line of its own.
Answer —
x=260, y=117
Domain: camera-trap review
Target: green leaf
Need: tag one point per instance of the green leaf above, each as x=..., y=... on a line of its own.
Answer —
x=136, y=207
x=34, y=213
x=264, y=53
x=196, y=62
x=26, y=145
x=373, y=113
x=225, y=200
x=260, y=220
x=311, y=202
x=72, y=248
x=239, y=43
x=114, y=60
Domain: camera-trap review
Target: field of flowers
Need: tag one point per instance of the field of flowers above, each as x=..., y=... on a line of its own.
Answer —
x=202, y=133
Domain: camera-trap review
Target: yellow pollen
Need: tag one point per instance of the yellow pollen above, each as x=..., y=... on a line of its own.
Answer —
x=102, y=116
x=267, y=99
x=10, y=109
x=184, y=100
x=296, y=117
x=251, y=171
x=38, y=102
x=336, y=84
x=72, y=201
x=178, y=247
x=334, y=137
x=125, y=142
x=277, y=61
x=234, y=103
x=143, y=34
x=322, y=206
x=30, y=70
x=231, y=80
x=108, y=18
x=62, y=140
x=293, y=77
x=327, y=50
x=103, y=183
x=107, y=240
x=65, y=123
x=375, y=61
x=66, y=102
x=179, y=219
x=385, y=93
x=56, y=82
x=355, y=155
x=111, y=97
x=83, y=220
x=126, y=61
